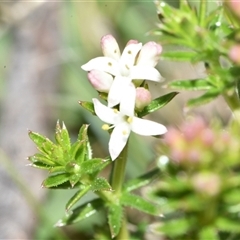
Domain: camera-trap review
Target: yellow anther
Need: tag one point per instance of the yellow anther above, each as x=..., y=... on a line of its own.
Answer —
x=115, y=110
x=124, y=132
x=105, y=127
x=129, y=119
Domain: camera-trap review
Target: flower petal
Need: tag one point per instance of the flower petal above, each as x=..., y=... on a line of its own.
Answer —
x=118, y=139
x=110, y=47
x=128, y=57
x=117, y=90
x=100, y=80
x=147, y=127
x=145, y=72
x=127, y=103
x=103, y=112
x=105, y=64
x=149, y=54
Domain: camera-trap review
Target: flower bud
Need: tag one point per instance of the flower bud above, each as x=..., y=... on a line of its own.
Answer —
x=234, y=5
x=207, y=183
x=234, y=53
x=110, y=47
x=101, y=81
x=143, y=98
x=149, y=54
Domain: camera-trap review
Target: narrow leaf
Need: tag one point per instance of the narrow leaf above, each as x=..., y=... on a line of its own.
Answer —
x=196, y=84
x=42, y=142
x=84, y=211
x=55, y=180
x=205, y=98
x=38, y=157
x=115, y=215
x=93, y=165
x=76, y=197
x=88, y=106
x=227, y=225
x=40, y=165
x=178, y=55
x=157, y=103
x=62, y=137
x=139, y=203
x=141, y=181
x=101, y=184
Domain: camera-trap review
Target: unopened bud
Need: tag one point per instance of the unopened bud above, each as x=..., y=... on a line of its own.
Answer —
x=101, y=81
x=110, y=47
x=143, y=98
x=149, y=54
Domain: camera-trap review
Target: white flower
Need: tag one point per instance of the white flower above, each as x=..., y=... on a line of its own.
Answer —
x=124, y=121
x=136, y=62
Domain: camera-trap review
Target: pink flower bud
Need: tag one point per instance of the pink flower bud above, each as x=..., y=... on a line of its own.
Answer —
x=132, y=41
x=110, y=47
x=234, y=53
x=149, y=54
x=101, y=81
x=143, y=98
x=207, y=183
x=234, y=6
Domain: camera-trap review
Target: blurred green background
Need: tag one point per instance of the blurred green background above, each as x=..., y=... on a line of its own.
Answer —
x=42, y=48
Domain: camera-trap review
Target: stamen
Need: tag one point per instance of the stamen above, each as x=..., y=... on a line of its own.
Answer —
x=115, y=110
x=129, y=52
x=105, y=127
x=109, y=64
x=129, y=119
x=124, y=132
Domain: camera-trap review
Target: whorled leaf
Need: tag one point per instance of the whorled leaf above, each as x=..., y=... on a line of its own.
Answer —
x=38, y=157
x=195, y=84
x=205, y=98
x=157, y=103
x=141, y=181
x=100, y=184
x=139, y=203
x=55, y=180
x=88, y=106
x=115, y=215
x=82, y=212
x=93, y=165
x=179, y=55
x=76, y=197
x=62, y=137
x=43, y=143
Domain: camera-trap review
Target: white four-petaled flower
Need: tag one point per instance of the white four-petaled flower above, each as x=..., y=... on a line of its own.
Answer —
x=123, y=122
x=137, y=62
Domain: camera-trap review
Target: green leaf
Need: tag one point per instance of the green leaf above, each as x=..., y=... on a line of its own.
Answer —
x=76, y=197
x=62, y=137
x=84, y=211
x=157, y=103
x=139, y=203
x=141, y=181
x=40, y=165
x=42, y=142
x=227, y=225
x=38, y=157
x=179, y=55
x=67, y=185
x=57, y=169
x=196, y=84
x=115, y=215
x=209, y=233
x=101, y=184
x=93, y=165
x=74, y=179
x=88, y=106
x=205, y=98
x=55, y=180
x=173, y=228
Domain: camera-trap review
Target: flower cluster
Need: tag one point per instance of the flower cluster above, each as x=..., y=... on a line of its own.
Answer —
x=121, y=76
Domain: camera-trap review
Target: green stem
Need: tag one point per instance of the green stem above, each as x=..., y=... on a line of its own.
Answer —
x=117, y=182
x=119, y=171
x=233, y=101
x=202, y=12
